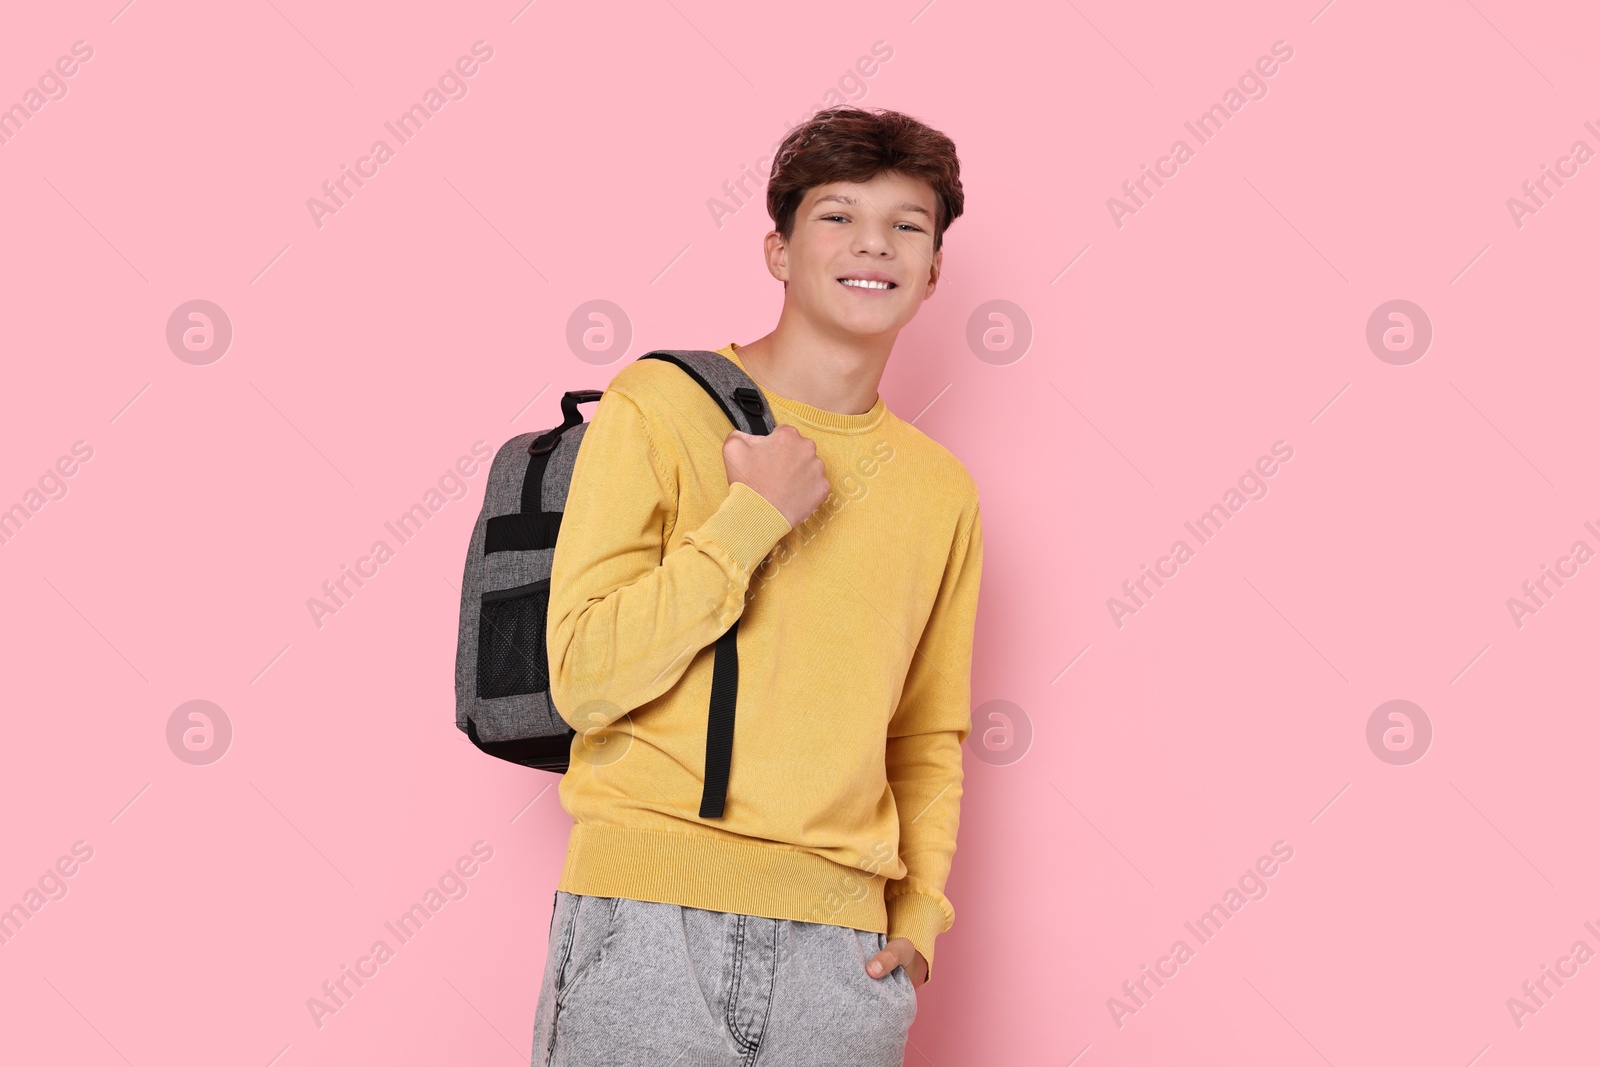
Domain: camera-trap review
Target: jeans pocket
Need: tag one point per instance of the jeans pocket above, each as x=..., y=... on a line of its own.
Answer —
x=909, y=987
x=593, y=926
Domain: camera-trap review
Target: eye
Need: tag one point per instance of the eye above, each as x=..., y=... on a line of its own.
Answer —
x=910, y=226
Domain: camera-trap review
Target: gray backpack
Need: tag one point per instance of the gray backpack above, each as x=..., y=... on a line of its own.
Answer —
x=502, y=669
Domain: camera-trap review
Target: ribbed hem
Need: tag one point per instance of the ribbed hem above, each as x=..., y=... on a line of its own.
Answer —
x=817, y=418
x=746, y=525
x=716, y=874
x=918, y=917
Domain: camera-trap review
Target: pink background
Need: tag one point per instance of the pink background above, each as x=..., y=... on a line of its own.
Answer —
x=432, y=311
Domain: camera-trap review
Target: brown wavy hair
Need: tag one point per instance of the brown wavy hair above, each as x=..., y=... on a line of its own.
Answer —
x=853, y=144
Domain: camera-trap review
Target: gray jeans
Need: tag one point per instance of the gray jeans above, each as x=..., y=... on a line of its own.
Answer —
x=634, y=983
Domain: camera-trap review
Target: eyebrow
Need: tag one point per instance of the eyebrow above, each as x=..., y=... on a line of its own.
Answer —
x=845, y=198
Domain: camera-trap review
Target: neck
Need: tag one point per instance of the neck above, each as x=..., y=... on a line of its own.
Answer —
x=837, y=373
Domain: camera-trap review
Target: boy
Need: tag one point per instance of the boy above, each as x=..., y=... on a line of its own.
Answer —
x=794, y=929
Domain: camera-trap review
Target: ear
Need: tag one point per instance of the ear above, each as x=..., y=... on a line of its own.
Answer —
x=933, y=273
x=776, y=251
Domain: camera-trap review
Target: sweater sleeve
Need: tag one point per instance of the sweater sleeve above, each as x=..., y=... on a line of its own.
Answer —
x=626, y=618
x=923, y=757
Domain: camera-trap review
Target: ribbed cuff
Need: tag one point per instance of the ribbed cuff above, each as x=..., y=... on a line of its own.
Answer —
x=745, y=527
x=918, y=917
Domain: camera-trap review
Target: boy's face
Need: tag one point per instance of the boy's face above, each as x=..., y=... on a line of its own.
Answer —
x=882, y=229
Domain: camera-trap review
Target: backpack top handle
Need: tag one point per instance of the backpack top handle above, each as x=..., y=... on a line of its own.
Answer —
x=570, y=417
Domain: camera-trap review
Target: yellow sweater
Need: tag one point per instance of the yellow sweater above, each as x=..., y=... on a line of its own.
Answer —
x=855, y=652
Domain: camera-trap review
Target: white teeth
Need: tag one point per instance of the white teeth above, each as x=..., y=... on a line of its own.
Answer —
x=859, y=284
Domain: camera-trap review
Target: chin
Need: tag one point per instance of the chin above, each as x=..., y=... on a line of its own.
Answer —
x=868, y=320
x=868, y=330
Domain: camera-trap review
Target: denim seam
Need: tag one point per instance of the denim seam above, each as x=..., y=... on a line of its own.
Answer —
x=555, y=1000
x=570, y=931
x=772, y=990
x=733, y=987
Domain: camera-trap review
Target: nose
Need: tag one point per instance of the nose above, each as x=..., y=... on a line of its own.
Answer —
x=872, y=236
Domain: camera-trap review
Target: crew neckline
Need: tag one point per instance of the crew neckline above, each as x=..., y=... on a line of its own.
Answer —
x=814, y=416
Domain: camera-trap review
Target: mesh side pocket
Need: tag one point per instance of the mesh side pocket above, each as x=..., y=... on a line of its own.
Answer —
x=511, y=652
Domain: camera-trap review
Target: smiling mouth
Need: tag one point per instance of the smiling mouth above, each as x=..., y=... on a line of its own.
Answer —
x=857, y=283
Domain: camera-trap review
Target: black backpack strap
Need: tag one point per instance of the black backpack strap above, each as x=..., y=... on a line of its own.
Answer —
x=746, y=399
